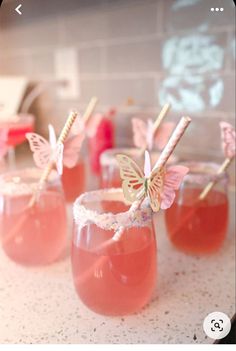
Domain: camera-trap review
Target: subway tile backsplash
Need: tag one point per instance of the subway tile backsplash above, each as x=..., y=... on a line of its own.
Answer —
x=149, y=51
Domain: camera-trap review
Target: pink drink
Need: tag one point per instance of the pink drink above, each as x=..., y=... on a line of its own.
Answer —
x=32, y=235
x=114, y=277
x=73, y=181
x=199, y=226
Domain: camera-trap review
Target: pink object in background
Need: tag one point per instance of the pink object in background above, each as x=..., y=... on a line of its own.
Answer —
x=102, y=140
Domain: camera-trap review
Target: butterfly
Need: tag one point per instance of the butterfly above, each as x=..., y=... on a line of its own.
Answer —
x=143, y=134
x=3, y=142
x=158, y=184
x=44, y=151
x=228, y=139
x=89, y=128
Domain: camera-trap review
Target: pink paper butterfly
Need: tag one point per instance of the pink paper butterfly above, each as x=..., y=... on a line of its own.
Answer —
x=173, y=178
x=3, y=142
x=72, y=148
x=75, y=140
x=89, y=128
x=228, y=139
x=143, y=134
x=44, y=151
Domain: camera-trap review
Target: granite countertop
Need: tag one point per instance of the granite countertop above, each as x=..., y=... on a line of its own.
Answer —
x=40, y=305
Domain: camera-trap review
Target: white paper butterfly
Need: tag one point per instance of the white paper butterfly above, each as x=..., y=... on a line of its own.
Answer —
x=44, y=151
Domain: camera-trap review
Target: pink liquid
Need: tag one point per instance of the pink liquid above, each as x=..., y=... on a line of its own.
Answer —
x=110, y=178
x=117, y=279
x=114, y=206
x=35, y=235
x=73, y=181
x=198, y=227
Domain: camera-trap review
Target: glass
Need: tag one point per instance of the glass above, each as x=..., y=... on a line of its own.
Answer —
x=73, y=180
x=17, y=127
x=199, y=226
x=32, y=235
x=113, y=277
x=110, y=174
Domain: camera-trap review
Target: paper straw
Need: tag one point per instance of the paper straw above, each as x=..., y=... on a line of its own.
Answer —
x=211, y=184
x=173, y=141
x=160, y=118
x=89, y=110
x=157, y=123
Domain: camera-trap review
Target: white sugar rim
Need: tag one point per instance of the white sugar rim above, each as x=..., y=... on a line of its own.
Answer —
x=202, y=172
x=107, y=220
x=108, y=158
x=11, y=183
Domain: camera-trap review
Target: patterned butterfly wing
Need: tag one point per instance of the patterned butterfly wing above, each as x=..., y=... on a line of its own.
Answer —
x=72, y=148
x=155, y=185
x=228, y=139
x=41, y=149
x=172, y=181
x=139, y=128
x=133, y=178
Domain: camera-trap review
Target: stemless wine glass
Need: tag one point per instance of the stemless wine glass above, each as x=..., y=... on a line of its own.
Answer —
x=110, y=174
x=113, y=276
x=18, y=126
x=73, y=180
x=199, y=226
x=32, y=234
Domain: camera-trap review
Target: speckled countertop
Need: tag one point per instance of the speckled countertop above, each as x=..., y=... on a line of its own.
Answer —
x=39, y=305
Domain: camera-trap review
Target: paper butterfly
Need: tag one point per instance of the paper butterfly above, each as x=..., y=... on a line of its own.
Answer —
x=158, y=185
x=143, y=134
x=228, y=139
x=89, y=128
x=44, y=151
x=3, y=142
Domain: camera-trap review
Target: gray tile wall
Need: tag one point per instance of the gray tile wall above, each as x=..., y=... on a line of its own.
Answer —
x=150, y=51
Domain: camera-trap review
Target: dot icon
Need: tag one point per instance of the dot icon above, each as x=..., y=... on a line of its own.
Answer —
x=217, y=325
x=217, y=9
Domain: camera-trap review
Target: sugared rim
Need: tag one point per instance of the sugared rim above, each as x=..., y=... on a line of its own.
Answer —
x=12, y=183
x=109, y=221
x=107, y=158
x=202, y=172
